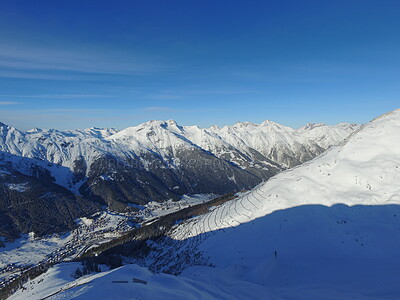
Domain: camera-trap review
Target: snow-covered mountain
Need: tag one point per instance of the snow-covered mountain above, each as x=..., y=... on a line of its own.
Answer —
x=328, y=229
x=268, y=146
x=283, y=145
x=160, y=160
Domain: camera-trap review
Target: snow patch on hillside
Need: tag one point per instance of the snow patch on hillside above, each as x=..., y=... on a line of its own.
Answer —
x=19, y=187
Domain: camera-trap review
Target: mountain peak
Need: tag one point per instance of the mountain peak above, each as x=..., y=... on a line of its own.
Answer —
x=244, y=124
x=34, y=130
x=310, y=126
x=214, y=127
x=171, y=122
x=269, y=123
x=391, y=114
x=159, y=123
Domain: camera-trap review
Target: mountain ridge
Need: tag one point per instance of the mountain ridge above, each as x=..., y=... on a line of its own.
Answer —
x=161, y=160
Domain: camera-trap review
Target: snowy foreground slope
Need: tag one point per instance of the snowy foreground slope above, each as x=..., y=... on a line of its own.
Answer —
x=328, y=229
x=205, y=285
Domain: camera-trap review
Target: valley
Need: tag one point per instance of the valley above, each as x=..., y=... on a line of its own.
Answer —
x=28, y=254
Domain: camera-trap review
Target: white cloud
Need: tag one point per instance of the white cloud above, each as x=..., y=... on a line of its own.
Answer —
x=3, y=103
x=42, y=62
x=59, y=96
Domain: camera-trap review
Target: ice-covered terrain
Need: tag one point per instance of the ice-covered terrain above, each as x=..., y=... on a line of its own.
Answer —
x=328, y=229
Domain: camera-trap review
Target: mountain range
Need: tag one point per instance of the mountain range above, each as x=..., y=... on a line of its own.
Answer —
x=326, y=229
x=88, y=169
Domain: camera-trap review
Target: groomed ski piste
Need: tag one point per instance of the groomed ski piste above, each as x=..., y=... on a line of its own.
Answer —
x=328, y=229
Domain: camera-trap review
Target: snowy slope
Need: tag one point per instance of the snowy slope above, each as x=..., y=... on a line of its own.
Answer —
x=363, y=170
x=204, y=285
x=334, y=223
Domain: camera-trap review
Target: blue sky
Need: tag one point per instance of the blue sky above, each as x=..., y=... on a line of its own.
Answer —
x=77, y=64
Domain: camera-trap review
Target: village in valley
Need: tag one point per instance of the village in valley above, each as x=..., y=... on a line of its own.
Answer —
x=90, y=232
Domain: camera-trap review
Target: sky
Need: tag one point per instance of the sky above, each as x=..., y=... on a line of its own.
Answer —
x=79, y=64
